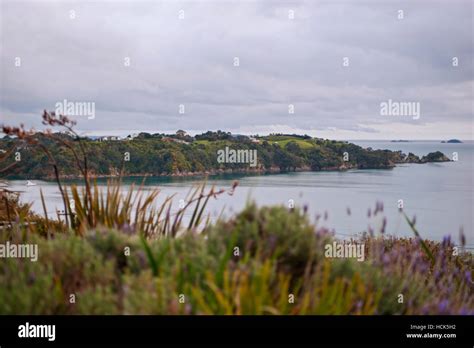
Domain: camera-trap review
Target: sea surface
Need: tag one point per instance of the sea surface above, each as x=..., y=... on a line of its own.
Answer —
x=440, y=195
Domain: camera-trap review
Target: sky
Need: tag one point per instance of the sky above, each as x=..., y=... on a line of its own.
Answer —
x=331, y=62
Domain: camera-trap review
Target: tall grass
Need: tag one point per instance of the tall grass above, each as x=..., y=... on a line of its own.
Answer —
x=89, y=207
x=137, y=211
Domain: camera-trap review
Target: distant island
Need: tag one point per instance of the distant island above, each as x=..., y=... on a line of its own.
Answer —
x=210, y=153
x=452, y=141
x=400, y=141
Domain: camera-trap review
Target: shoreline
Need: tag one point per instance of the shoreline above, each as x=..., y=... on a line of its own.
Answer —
x=206, y=173
x=216, y=172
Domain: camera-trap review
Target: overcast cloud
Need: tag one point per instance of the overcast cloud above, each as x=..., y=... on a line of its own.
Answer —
x=283, y=61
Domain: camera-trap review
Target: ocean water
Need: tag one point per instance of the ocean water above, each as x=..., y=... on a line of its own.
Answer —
x=440, y=195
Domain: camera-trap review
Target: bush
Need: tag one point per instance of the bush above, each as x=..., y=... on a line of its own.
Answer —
x=280, y=255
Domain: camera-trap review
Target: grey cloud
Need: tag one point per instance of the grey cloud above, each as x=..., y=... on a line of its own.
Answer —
x=282, y=62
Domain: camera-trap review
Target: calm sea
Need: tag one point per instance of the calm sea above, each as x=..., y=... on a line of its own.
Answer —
x=440, y=195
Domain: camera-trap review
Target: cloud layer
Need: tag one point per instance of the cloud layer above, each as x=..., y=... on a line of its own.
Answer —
x=282, y=61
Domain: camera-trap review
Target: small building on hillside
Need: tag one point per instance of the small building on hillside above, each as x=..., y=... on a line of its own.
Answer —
x=174, y=140
x=109, y=138
x=254, y=140
x=131, y=136
x=181, y=133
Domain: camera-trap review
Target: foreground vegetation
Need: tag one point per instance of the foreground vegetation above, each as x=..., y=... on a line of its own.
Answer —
x=115, y=253
x=280, y=268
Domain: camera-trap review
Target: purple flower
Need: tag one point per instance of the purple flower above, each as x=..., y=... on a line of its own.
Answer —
x=384, y=225
x=462, y=237
x=127, y=229
x=465, y=311
x=468, y=276
x=425, y=310
x=378, y=207
x=443, y=306
x=446, y=241
x=371, y=231
x=423, y=267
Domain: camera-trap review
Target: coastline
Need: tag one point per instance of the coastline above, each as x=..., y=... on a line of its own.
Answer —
x=215, y=172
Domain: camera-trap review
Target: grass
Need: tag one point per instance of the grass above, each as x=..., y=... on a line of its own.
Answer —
x=203, y=142
x=282, y=140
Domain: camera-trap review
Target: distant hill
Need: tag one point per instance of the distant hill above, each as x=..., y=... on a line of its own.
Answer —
x=150, y=155
x=453, y=141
